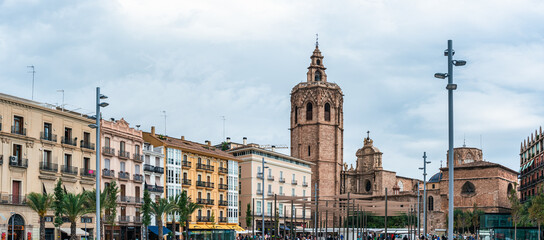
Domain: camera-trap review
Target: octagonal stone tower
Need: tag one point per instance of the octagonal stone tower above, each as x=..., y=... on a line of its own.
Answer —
x=317, y=130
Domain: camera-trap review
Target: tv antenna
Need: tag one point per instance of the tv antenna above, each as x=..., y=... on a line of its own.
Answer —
x=62, y=106
x=33, y=72
x=164, y=113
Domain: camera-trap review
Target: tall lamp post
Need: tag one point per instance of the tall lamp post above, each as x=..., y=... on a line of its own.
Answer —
x=451, y=86
x=424, y=168
x=97, y=127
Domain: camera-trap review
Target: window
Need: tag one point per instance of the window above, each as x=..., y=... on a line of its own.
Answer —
x=123, y=164
x=280, y=209
x=185, y=158
x=281, y=174
x=317, y=76
x=68, y=134
x=107, y=142
x=433, y=185
x=258, y=169
x=86, y=164
x=296, y=115
x=269, y=207
x=309, y=151
x=269, y=172
x=122, y=146
x=292, y=192
x=304, y=193
x=304, y=179
x=87, y=138
x=18, y=123
x=47, y=130
x=107, y=164
x=327, y=112
x=46, y=158
x=269, y=188
x=137, y=169
x=258, y=187
x=137, y=149
x=309, y=111
x=281, y=190
x=430, y=205
x=185, y=175
x=67, y=160
x=468, y=188
x=209, y=196
x=258, y=208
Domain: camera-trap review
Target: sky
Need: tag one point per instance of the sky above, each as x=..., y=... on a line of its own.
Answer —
x=201, y=60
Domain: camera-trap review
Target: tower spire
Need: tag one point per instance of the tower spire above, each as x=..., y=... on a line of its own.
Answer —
x=316, y=40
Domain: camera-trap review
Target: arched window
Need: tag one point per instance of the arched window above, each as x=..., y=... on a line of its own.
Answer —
x=327, y=112
x=309, y=111
x=318, y=62
x=430, y=205
x=510, y=188
x=401, y=186
x=296, y=114
x=317, y=76
x=468, y=188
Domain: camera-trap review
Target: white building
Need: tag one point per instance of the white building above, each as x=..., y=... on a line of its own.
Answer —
x=154, y=172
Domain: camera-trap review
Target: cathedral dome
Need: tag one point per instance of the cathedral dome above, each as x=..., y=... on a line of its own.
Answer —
x=436, y=178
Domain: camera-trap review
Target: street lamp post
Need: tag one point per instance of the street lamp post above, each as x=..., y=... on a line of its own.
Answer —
x=424, y=168
x=450, y=87
x=97, y=127
x=12, y=224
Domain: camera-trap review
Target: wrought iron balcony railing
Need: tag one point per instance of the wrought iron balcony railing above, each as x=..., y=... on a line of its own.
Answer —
x=68, y=141
x=87, y=173
x=87, y=145
x=108, y=151
x=68, y=169
x=18, y=130
x=48, y=137
x=48, y=166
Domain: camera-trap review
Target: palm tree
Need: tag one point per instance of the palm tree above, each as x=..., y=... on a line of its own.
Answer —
x=75, y=206
x=160, y=208
x=189, y=210
x=40, y=203
x=91, y=196
x=517, y=209
x=184, y=208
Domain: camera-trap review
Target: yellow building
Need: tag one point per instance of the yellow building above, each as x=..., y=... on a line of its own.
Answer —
x=41, y=143
x=204, y=172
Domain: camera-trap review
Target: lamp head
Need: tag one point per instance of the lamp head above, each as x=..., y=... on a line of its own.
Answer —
x=420, y=168
x=93, y=126
x=102, y=96
x=459, y=62
x=446, y=52
x=441, y=75
x=93, y=117
x=104, y=104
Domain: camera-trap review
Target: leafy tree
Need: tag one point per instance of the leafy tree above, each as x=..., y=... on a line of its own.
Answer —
x=75, y=206
x=249, y=219
x=536, y=210
x=212, y=219
x=58, y=204
x=476, y=214
x=160, y=208
x=111, y=204
x=40, y=203
x=516, y=211
x=146, y=212
x=91, y=196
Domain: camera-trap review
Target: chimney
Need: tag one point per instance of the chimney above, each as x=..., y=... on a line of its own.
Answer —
x=152, y=130
x=273, y=148
x=228, y=139
x=208, y=142
x=245, y=141
x=182, y=137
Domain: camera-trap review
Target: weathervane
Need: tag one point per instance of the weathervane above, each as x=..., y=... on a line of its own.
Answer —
x=367, y=134
x=316, y=40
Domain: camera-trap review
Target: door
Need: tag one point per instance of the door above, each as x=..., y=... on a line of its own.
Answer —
x=137, y=193
x=16, y=192
x=123, y=190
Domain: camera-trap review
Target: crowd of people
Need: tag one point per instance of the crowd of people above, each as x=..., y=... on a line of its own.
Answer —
x=364, y=236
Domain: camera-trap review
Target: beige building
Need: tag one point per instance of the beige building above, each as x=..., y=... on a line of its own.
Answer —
x=284, y=176
x=41, y=143
x=122, y=162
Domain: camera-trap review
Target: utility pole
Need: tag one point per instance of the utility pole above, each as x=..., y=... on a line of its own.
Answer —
x=33, y=72
x=424, y=168
x=316, y=210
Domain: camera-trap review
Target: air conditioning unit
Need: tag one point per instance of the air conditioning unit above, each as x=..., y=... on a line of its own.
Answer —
x=13, y=160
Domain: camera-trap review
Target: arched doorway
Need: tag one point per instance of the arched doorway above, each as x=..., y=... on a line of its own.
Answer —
x=17, y=227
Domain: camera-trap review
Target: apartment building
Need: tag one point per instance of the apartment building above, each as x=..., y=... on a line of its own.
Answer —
x=122, y=161
x=154, y=173
x=204, y=171
x=283, y=176
x=531, y=158
x=41, y=143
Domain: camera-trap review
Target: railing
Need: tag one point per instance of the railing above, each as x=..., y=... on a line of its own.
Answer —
x=260, y=175
x=186, y=164
x=138, y=157
x=108, y=173
x=12, y=199
x=108, y=151
x=18, y=162
x=138, y=178
x=270, y=193
x=127, y=199
x=204, y=184
x=222, y=219
x=87, y=172
x=149, y=168
x=48, y=166
x=202, y=219
x=124, y=175
x=68, y=169
x=124, y=218
x=223, y=170
x=20, y=131
x=259, y=192
x=137, y=219
x=223, y=203
x=87, y=145
x=304, y=184
x=270, y=178
x=204, y=201
x=48, y=137
x=155, y=188
x=223, y=186
x=186, y=182
x=124, y=154
x=68, y=141
x=282, y=180
x=294, y=182
x=205, y=167
x=159, y=170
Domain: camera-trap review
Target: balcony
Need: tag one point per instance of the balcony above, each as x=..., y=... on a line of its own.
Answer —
x=127, y=199
x=124, y=154
x=270, y=178
x=107, y=173
x=202, y=219
x=282, y=180
x=260, y=175
x=124, y=219
x=137, y=157
x=48, y=137
x=222, y=219
x=259, y=192
x=223, y=170
x=186, y=182
x=49, y=167
x=14, y=161
x=223, y=186
x=223, y=203
x=270, y=193
x=108, y=151
x=138, y=177
x=87, y=173
x=20, y=131
x=68, y=169
x=86, y=145
x=294, y=182
x=155, y=188
x=137, y=219
x=205, y=167
x=159, y=170
x=304, y=184
x=68, y=141
x=11, y=199
x=149, y=168
x=203, y=201
x=204, y=184
x=186, y=164
x=123, y=175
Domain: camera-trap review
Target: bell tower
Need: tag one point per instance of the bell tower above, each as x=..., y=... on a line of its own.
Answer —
x=317, y=126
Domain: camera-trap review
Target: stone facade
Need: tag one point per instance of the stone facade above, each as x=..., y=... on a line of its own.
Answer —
x=317, y=126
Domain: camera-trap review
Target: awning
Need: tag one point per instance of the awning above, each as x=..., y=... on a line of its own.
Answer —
x=79, y=232
x=530, y=163
x=49, y=187
x=155, y=230
x=69, y=188
x=284, y=227
x=217, y=227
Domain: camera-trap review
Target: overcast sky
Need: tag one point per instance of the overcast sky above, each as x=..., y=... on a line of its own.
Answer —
x=200, y=60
